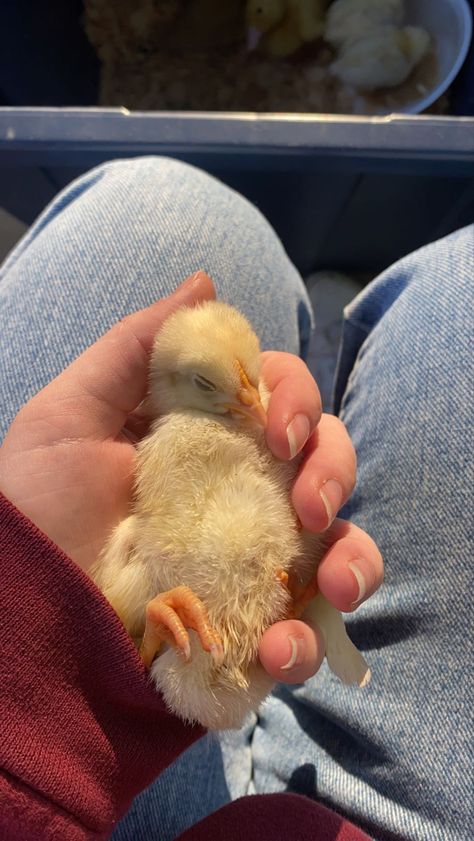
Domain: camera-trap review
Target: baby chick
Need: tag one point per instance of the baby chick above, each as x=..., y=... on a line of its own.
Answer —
x=373, y=50
x=212, y=553
x=349, y=20
x=281, y=27
x=383, y=59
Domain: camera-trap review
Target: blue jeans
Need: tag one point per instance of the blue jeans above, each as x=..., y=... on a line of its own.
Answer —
x=395, y=757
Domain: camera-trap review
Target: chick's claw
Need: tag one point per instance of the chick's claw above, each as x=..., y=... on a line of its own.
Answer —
x=167, y=617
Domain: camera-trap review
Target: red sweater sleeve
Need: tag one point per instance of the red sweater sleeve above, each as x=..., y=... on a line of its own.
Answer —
x=82, y=730
x=274, y=817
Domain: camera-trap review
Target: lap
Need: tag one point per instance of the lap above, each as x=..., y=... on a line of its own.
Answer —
x=394, y=756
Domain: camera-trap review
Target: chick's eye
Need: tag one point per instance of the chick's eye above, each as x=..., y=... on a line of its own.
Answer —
x=203, y=384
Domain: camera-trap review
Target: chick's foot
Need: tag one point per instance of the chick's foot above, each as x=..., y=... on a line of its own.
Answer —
x=301, y=594
x=167, y=617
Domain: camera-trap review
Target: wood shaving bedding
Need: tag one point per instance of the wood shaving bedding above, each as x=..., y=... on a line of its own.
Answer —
x=191, y=55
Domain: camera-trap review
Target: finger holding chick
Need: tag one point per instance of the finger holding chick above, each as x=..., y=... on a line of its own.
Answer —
x=294, y=408
x=349, y=573
x=326, y=476
x=327, y=472
x=351, y=569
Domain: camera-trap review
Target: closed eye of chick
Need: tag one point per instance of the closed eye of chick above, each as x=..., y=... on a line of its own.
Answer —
x=212, y=553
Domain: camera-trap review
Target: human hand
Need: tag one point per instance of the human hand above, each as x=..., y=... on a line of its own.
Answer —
x=352, y=567
x=68, y=460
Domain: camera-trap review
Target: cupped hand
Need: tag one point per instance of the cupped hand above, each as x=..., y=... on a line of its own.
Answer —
x=68, y=463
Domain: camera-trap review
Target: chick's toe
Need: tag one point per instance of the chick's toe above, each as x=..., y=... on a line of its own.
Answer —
x=167, y=617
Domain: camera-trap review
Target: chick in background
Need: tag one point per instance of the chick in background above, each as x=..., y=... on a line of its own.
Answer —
x=212, y=553
x=383, y=59
x=349, y=20
x=281, y=27
x=374, y=50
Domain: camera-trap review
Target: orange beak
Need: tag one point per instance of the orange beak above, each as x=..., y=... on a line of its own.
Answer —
x=249, y=403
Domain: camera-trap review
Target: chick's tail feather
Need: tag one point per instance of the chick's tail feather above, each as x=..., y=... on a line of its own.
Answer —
x=344, y=659
x=198, y=692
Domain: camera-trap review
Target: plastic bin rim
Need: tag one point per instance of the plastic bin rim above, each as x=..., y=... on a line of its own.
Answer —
x=236, y=116
x=83, y=137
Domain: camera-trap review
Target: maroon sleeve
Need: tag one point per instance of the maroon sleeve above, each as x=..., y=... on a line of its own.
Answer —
x=274, y=817
x=82, y=730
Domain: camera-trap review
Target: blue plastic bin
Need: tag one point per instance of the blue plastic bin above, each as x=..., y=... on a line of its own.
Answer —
x=347, y=193
x=344, y=192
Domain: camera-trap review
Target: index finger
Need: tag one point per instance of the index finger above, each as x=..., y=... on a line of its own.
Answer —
x=294, y=409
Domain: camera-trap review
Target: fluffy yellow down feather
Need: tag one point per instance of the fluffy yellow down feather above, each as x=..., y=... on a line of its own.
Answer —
x=283, y=26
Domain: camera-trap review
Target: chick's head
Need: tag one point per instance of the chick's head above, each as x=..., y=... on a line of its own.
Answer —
x=207, y=358
x=263, y=15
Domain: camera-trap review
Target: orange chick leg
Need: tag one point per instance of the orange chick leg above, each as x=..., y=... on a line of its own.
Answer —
x=167, y=617
x=306, y=594
x=301, y=594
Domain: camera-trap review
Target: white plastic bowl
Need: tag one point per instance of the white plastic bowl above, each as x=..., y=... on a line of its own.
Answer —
x=449, y=23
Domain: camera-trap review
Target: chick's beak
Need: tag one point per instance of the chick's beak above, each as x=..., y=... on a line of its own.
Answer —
x=248, y=401
x=251, y=406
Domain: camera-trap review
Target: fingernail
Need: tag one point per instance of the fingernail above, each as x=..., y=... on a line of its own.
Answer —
x=364, y=576
x=297, y=433
x=191, y=280
x=297, y=645
x=331, y=495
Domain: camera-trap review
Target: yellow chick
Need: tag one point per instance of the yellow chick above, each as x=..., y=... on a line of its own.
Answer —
x=282, y=26
x=205, y=560
x=383, y=59
x=349, y=20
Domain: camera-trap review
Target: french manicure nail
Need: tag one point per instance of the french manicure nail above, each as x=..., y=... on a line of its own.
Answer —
x=297, y=433
x=297, y=644
x=364, y=577
x=331, y=495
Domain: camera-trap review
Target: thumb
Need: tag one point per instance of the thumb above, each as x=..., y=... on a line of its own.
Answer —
x=98, y=390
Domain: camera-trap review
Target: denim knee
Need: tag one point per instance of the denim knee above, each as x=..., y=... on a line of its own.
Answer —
x=422, y=301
